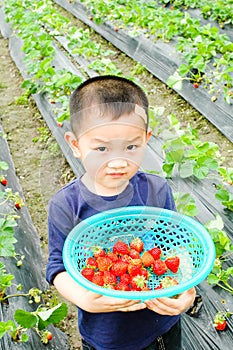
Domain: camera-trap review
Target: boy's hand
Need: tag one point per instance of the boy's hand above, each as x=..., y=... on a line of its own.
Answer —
x=102, y=303
x=172, y=306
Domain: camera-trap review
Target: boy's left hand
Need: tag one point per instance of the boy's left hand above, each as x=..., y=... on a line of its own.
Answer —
x=172, y=306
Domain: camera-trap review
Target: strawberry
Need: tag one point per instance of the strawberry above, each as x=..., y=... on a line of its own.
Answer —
x=168, y=281
x=122, y=286
x=112, y=256
x=120, y=248
x=88, y=273
x=49, y=336
x=125, y=278
x=134, y=254
x=159, y=267
x=98, y=252
x=156, y=253
x=109, y=278
x=137, y=244
x=59, y=124
x=92, y=263
x=119, y=268
x=125, y=258
x=3, y=181
x=104, y=263
x=195, y=85
x=98, y=278
x=173, y=263
x=144, y=272
x=134, y=270
x=18, y=205
x=138, y=282
x=220, y=322
x=147, y=259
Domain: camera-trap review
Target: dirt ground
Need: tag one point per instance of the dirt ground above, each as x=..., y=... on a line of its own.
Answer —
x=35, y=152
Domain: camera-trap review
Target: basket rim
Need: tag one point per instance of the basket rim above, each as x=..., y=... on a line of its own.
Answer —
x=200, y=231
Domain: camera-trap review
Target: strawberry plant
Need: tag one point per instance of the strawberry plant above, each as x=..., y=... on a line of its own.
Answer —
x=222, y=274
x=224, y=191
x=37, y=320
x=200, y=47
x=189, y=153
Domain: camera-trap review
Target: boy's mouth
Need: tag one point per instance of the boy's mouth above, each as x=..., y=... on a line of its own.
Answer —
x=116, y=175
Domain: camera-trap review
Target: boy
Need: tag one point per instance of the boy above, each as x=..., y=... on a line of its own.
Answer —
x=109, y=122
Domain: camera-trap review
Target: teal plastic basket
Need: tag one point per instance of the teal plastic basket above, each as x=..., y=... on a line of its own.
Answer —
x=175, y=234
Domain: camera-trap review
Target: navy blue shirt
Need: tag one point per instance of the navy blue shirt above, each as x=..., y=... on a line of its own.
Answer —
x=74, y=203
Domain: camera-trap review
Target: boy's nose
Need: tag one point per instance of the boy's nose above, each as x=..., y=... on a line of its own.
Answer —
x=117, y=163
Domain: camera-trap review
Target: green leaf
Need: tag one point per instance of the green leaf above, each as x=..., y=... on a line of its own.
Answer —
x=3, y=165
x=25, y=319
x=53, y=315
x=168, y=169
x=175, y=81
x=200, y=171
x=212, y=279
x=7, y=245
x=186, y=168
x=216, y=223
x=6, y=327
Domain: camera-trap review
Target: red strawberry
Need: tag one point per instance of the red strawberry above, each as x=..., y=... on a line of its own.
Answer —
x=98, y=252
x=138, y=282
x=125, y=278
x=137, y=244
x=168, y=281
x=134, y=269
x=220, y=322
x=156, y=253
x=173, y=263
x=49, y=336
x=92, y=263
x=159, y=267
x=122, y=286
x=125, y=258
x=98, y=278
x=147, y=259
x=18, y=205
x=134, y=254
x=119, y=268
x=112, y=256
x=195, y=85
x=144, y=272
x=3, y=181
x=109, y=278
x=104, y=263
x=121, y=248
x=88, y=273
x=59, y=124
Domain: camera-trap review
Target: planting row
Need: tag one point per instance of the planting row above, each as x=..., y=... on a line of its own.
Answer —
x=193, y=59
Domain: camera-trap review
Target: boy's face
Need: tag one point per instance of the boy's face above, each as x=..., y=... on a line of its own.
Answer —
x=111, y=152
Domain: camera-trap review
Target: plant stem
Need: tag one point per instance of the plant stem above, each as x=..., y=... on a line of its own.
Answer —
x=15, y=295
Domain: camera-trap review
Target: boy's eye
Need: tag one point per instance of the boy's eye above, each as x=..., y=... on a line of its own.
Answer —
x=131, y=147
x=102, y=149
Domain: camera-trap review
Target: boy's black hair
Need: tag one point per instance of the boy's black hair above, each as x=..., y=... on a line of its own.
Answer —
x=111, y=94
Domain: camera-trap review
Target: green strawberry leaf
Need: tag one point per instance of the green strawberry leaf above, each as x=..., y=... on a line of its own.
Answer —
x=53, y=315
x=25, y=319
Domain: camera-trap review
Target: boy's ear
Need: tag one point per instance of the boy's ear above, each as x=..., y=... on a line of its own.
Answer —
x=149, y=134
x=73, y=143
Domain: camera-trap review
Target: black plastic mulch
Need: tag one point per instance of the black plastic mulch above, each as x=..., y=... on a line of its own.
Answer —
x=198, y=329
x=30, y=274
x=161, y=59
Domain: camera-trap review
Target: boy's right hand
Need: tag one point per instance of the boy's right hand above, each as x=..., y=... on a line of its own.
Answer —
x=90, y=301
